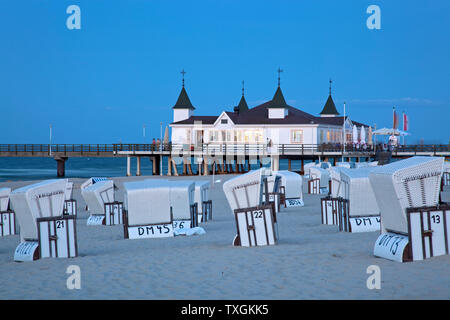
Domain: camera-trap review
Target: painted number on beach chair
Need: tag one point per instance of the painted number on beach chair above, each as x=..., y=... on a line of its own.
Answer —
x=258, y=214
x=391, y=246
x=294, y=203
x=153, y=231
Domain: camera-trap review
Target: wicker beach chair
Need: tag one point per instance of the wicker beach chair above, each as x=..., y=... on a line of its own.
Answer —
x=7, y=216
x=292, y=187
x=44, y=231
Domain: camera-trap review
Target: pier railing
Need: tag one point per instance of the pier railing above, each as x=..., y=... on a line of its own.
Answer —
x=110, y=150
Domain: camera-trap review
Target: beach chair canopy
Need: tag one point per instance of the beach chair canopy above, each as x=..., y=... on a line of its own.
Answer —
x=4, y=198
x=413, y=182
x=69, y=191
x=319, y=173
x=245, y=191
x=181, y=198
x=292, y=183
x=97, y=194
x=39, y=200
x=147, y=202
x=357, y=189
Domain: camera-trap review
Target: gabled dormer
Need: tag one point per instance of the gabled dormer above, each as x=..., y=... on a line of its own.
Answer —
x=278, y=108
x=183, y=109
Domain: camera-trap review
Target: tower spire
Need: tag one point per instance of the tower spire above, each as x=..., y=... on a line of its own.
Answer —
x=330, y=85
x=279, y=75
x=183, y=73
x=242, y=87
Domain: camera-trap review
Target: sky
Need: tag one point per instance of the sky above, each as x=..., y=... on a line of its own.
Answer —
x=121, y=71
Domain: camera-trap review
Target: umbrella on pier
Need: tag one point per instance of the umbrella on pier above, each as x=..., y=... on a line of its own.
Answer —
x=166, y=136
x=355, y=134
x=363, y=135
x=369, y=136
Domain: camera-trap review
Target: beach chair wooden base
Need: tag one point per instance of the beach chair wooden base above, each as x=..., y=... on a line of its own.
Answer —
x=314, y=186
x=27, y=251
x=428, y=235
x=7, y=223
x=70, y=207
x=96, y=220
x=332, y=210
x=255, y=226
x=57, y=238
x=206, y=210
x=113, y=213
x=160, y=230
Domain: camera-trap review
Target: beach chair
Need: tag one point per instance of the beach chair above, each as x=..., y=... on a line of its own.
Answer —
x=414, y=226
x=324, y=165
x=70, y=204
x=306, y=168
x=184, y=208
x=90, y=182
x=446, y=175
x=147, y=212
x=7, y=216
x=44, y=231
x=345, y=164
x=255, y=221
x=291, y=188
x=333, y=211
x=363, y=214
x=273, y=193
x=103, y=209
x=319, y=180
x=204, y=203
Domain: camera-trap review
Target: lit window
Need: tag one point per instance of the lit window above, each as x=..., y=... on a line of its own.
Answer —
x=297, y=136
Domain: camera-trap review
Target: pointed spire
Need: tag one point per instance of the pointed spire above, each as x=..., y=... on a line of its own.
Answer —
x=183, y=100
x=329, y=109
x=242, y=87
x=242, y=106
x=279, y=76
x=278, y=100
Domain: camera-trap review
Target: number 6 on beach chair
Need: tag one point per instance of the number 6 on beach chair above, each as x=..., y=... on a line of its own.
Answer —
x=44, y=231
x=255, y=222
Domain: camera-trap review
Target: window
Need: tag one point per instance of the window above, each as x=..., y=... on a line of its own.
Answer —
x=224, y=121
x=297, y=136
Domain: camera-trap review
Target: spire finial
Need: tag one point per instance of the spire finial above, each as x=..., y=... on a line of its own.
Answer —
x=242, y=87
x=279, y=73
x=331, y=81
x=183, y=73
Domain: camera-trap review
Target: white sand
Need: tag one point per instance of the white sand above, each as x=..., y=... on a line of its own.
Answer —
x=311, y=261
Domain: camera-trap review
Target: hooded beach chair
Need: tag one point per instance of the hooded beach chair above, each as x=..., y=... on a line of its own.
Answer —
x=44, y=230
x=318, y=180
x=204, y=203
x=7, y=217
x=291, y=188
x=255, y=221
x=407, y=193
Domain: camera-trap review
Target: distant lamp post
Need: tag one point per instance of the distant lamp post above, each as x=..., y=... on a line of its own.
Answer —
x=143, y=132
x=50, y=145
x=161, y=148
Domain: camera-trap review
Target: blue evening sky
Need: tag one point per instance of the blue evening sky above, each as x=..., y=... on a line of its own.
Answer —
x=121, y=71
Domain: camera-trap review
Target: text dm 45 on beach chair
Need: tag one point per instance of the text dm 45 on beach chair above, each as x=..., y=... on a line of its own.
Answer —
x=44, y=230
x=102, y=208
x=255, y=223
x=414, y=226
x=147, y=211
x=7, y=216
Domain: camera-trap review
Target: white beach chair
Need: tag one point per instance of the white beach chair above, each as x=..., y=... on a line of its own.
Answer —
x=90, y=182
x=103, y=209
x=184, y=208
x=44, y=230
x=407, y=194
x=70, y=204
x=147, y=210
x=322, y=176
x=204, y=203
x=7, y=216
x=255, y=222
x=335, y=178
x=363, y=213
x=272, y=194
x=291, y=188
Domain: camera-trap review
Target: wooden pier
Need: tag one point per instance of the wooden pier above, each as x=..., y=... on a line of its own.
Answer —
x=218, y=158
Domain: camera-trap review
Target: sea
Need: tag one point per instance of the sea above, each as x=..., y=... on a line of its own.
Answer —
x=24, y=169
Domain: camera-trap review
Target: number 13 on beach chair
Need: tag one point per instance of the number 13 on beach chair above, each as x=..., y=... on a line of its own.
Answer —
x=255, y=222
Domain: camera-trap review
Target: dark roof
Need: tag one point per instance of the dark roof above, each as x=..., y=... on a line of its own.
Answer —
x=259, y=115
x=183, y=101
x=242, y=106
x=278, y=100
x=329, y=108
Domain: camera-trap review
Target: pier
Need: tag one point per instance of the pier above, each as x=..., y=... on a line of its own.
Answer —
x=212, y=158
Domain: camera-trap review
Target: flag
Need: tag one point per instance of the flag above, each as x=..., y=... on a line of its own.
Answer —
x=395, y=120
x=405, y=122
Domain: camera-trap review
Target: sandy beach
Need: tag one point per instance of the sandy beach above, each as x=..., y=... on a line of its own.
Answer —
x=311, y=261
